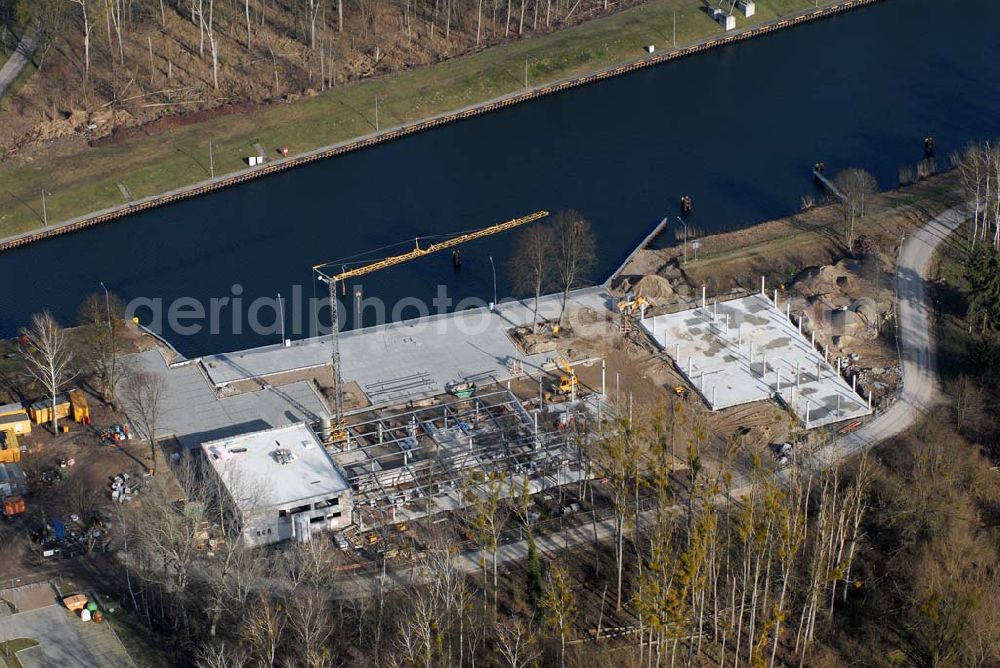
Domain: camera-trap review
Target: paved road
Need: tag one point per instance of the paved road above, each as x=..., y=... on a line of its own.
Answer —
x=21, y=56
x=920, y=389
x=920, y=393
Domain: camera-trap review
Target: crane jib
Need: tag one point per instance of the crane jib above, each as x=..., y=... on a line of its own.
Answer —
x=419, y=252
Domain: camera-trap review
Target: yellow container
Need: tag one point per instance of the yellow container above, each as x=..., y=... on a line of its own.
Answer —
x=41, y=411
x=79, y=407
x=16, y=423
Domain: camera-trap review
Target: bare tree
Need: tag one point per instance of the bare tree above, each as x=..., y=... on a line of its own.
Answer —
x=531, y=266
x=142, y=399
x=264, y=630
x=86, y=38
x=516, y=643
x=575, y=252
x=856, y=186
x=314, y=7
x=48, y=356
x=221, y=655
x=163, y=538
x=101, y=337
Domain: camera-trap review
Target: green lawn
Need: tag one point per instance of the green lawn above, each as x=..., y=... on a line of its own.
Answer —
x=88, y=179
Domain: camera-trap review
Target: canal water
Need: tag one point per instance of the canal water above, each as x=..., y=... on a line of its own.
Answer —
x=737, y=129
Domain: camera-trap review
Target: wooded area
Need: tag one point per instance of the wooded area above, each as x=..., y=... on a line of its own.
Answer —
x=146, y=58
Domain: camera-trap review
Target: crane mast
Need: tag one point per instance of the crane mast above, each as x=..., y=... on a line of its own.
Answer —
x=339, y=430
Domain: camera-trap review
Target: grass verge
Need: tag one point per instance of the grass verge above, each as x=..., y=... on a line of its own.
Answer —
x=781, y=248
x=82, y=180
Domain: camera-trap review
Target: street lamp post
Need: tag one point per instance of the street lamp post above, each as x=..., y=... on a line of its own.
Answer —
x=494, y=268
x=107, y=304
x=45, y=213
x=685, y=238
x=211, y=159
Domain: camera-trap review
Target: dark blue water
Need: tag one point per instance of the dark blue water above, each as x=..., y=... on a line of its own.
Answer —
x=737, y=129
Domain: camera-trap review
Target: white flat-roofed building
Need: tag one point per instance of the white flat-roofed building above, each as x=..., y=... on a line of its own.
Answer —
x=282, y=484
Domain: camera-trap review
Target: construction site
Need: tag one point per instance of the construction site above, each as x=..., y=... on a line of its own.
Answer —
x=423, y=417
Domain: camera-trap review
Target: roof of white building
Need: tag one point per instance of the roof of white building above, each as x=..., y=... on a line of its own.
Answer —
x=283, y=466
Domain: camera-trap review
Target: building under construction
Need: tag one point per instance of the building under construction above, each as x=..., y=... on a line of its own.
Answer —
x=409, y=462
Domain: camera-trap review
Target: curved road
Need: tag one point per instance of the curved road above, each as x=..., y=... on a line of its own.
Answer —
x=920, y=390
x=920, y=393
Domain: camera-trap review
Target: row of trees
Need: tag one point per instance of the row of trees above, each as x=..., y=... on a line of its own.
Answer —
x=331, y=35
x=557, y=254
x=979, y=169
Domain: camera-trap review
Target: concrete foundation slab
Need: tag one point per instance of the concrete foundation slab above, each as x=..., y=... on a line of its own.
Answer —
x=745, y=350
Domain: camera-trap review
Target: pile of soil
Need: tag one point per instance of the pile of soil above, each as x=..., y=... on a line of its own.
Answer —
x=828, y=280
x=654, y=288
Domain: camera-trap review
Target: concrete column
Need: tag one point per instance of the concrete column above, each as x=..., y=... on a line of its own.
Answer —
x=788, y=311
x=751, y=351
x=739, y=335
x=869, y=399
x=812, y=338
x=701, y=383
x=800, y=323
x=703, y=296
x=727, y=324
x=819, y=370
x=854, y=383
x=807, y=413
x=826, y=354
x=798, y=366
x=604, y=388
x=763, y=366
x=689, y=367
x=838, y=405
x=715, y=311
x=762, y=285
x=677, y=353
x=776, y=298
x=778, y=386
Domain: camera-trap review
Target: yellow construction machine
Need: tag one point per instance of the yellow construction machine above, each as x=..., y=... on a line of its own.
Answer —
x=631, y=304
x=567, y=382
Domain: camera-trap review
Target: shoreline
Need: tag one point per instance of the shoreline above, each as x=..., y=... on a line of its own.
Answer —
x=372, y=139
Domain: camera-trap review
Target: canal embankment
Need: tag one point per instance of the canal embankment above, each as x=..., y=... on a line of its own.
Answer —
x=99, y=176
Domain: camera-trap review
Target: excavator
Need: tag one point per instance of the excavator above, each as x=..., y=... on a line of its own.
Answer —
x=567, y=382
x=631, y=304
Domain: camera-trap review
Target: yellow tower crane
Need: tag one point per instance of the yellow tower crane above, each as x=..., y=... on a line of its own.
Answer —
x=339, y=430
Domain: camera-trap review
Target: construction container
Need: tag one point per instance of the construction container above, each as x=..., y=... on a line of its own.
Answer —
x=10, y=451
x=10, y=409
x=16, y=423
x=79, y=407
x=13, y=505
x=41, y=411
